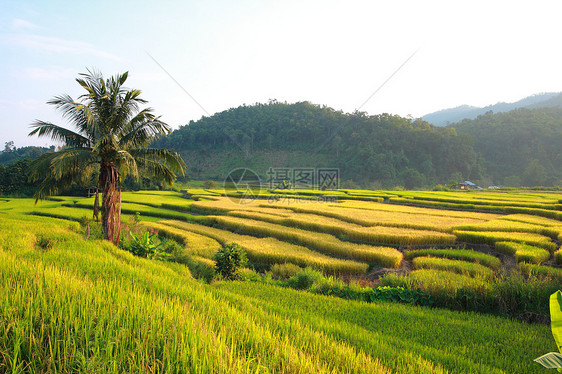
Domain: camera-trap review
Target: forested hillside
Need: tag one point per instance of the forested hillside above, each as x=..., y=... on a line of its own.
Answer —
x=374, y=151
x=520, y=147
x=448, y=116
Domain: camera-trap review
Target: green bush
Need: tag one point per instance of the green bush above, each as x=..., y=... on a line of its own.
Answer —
x=305, y=278
x=229, y=259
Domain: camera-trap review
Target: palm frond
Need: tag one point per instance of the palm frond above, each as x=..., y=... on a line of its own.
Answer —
x=126, y=164
x=166, y=157
x=58, y=133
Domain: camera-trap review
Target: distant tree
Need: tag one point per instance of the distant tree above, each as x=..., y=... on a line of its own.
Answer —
x=9, y=146
x=109, y=143
x=229, y=259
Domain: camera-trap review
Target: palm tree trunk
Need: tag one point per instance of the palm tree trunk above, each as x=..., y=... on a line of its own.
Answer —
x=109, y=178
x=118, y=222
x=97, y=205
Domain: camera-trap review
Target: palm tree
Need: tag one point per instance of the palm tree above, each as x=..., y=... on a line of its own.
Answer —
x=110, y=142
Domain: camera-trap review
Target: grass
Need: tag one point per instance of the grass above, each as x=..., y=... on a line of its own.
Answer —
x=455, y=266
x=318, y=241
x=456, y=254
x=492, y=237
x=523, y=252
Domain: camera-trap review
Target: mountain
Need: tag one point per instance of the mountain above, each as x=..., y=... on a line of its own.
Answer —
x=451, y=115
x=370, y=150
x=519, y=147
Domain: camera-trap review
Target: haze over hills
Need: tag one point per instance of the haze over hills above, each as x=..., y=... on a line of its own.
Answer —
x=445, y=117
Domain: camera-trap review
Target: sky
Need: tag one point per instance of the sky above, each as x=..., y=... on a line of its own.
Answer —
x=195, y=58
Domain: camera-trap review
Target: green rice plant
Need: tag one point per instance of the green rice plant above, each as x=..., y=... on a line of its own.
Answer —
x=523, y=252
x=419, y=343
x=492, y=237
x=87, y=306
x=541, y=271
x=455, y=266
x=457, y=254
x=271, y=251
x=321, y=242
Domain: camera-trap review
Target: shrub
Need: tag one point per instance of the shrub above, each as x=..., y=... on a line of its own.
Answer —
x=209, y=185
x=305, y=278
x=284, y=271
x=229, y=259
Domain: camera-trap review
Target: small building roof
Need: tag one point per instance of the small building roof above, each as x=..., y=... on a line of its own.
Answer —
x=467, y=183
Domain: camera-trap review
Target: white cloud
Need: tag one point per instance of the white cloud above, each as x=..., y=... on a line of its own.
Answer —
x=52, y=44
x=21, y=24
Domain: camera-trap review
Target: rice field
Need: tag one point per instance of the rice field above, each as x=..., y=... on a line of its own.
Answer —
x=523, y=252
x=492, y=237
x=75, y=305
x=455, y=266
x=271, y=251
x=86, y=306
x=324, y=243
x=466, y=255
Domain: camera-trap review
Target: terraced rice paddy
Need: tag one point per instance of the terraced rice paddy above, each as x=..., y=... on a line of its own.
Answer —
x=80, y=305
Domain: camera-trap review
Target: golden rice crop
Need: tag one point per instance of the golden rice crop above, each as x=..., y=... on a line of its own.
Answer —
x=523, y=252
x=532, y=219
x=502, y=225
x=400, y=236
x=370, y=234
x=271, y=251
x=491, y=237
x=446, y=283
x=301, y=220
x=319, y=241
x=455, y=266
x=416, y=210
x=456, y=254
x=367, y=217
